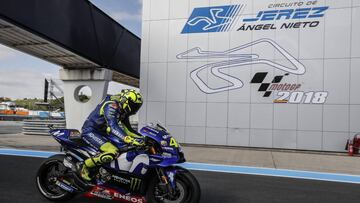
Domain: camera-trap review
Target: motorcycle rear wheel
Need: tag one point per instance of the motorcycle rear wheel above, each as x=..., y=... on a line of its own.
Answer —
x=52, y=167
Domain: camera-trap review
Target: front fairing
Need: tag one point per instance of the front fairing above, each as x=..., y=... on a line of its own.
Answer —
x=155, y=134
x=171, y=152
x=169, y=156
x=158, y=160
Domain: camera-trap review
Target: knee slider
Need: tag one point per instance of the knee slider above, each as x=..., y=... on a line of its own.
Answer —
x=110, y=152
x=107, y=157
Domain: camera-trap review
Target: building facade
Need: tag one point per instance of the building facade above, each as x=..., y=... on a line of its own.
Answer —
x=255, y=73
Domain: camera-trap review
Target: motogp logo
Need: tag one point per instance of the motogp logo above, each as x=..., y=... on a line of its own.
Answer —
x=212, y=19
x=275, y=84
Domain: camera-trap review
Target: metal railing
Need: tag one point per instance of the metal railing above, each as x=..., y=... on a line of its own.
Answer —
x=40, y=127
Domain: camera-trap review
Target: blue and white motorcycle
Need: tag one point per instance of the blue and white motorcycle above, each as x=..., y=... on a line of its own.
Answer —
x=137, y=175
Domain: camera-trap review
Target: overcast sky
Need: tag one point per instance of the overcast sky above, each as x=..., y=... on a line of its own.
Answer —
x=22, y=75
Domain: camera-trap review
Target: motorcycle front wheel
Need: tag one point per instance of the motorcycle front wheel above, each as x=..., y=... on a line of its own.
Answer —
x=188, y=189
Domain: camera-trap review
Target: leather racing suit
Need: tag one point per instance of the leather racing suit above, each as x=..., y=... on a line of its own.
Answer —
x=102, y=121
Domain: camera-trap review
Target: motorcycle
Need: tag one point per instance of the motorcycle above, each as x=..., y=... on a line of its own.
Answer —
x=138, y=175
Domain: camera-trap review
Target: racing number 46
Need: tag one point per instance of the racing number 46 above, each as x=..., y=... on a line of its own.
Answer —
x=173, y=143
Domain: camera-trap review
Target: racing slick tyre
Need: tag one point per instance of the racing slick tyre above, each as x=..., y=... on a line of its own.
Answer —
x=52, y=168
x=187, y=186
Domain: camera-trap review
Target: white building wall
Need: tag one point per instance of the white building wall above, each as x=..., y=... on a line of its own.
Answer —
x=329, y=54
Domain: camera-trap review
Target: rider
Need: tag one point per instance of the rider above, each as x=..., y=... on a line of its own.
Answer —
x=105, y=120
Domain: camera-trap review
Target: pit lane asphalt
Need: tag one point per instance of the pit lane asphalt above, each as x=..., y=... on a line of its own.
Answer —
x=17, y=184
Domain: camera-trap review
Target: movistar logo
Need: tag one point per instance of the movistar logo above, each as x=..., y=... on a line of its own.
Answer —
x=212, y=19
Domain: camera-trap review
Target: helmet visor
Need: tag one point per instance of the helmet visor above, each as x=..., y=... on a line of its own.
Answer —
x=134, y=107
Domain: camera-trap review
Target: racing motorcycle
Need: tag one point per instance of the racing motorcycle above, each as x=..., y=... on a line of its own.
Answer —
x=138, y=175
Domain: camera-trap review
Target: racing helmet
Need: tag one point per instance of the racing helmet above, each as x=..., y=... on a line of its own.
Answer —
x=129, y=100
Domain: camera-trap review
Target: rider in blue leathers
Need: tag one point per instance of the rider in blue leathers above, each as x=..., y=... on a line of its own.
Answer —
x=105, y=120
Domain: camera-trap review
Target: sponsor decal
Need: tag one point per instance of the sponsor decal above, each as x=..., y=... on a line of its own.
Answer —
x=154, y=130
x=121, y=180
x=212, y=19
x=128, y=198
x=64, y=186
x=110, y=194
x=96, y=139
x=58, y=133
x=168, y=148
x=150, y=131
x=165, y=137
x=75, y=134
x=102, y=193
x=135, y=184
x=168, y=155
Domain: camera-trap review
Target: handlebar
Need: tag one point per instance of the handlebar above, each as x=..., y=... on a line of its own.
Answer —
x=131, y=148
x=126, y=149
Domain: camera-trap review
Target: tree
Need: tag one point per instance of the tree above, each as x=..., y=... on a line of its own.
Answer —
x=4, y=99
x=57, y=104
x=83, y=98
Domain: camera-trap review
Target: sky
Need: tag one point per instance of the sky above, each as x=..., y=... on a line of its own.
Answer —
x=22, y=75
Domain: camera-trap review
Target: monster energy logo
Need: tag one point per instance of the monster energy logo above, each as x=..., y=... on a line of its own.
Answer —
x=135, y=184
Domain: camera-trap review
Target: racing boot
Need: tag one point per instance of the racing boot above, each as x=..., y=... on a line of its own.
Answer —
x=85, y=173
x=109, y=153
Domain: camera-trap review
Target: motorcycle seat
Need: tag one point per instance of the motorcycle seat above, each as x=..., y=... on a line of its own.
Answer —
x=76, y=137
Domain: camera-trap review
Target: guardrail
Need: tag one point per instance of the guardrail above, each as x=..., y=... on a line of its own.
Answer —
x=40, y=127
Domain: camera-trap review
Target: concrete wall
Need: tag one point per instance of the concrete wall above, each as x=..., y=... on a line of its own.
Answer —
x=221, y=97
x=97, y=80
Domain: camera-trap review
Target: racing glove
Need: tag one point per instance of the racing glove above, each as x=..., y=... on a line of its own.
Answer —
x=133, y=141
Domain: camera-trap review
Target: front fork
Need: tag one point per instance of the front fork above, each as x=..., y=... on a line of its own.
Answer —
x=167, y=181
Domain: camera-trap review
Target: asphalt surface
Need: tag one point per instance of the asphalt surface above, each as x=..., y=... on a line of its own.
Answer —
x=17, y=184
x=10, y=127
